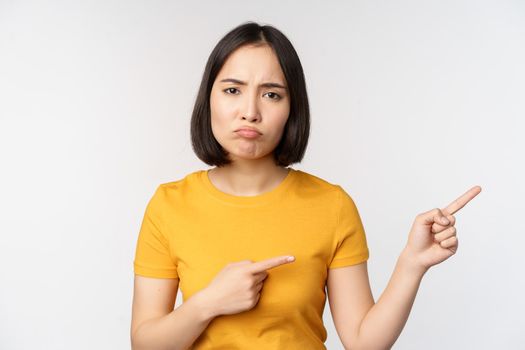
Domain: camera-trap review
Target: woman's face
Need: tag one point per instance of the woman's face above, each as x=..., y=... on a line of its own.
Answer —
x=240, y=98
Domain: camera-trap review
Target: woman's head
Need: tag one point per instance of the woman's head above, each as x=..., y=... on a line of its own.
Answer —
x=231, y=96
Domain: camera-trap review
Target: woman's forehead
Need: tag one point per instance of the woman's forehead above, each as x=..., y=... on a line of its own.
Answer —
x=250, y=62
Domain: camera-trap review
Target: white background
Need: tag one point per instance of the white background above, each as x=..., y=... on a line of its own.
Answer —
x=413, y=103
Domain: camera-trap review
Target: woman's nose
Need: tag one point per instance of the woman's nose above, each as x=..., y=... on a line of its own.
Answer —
x=251, y=107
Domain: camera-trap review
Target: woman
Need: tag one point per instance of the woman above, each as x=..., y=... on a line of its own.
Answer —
x=226, y=233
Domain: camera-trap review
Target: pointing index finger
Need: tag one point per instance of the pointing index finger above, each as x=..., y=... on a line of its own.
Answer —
x=462, y=200
x=267, y=264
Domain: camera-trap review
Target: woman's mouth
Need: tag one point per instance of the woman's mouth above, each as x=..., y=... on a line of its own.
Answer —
x=251, y=134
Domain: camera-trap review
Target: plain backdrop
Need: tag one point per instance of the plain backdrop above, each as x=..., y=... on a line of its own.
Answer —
x=412, y=102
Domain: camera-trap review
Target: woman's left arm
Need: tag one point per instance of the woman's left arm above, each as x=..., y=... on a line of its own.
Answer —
x=432, y=240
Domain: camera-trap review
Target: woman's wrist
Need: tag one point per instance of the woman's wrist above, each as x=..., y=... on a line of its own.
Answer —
x=410, y=262
x=205, y=306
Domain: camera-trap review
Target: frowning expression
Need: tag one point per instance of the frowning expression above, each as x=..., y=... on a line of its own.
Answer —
x=250, y=91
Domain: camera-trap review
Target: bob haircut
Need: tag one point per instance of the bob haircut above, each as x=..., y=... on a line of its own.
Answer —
x=292, y=146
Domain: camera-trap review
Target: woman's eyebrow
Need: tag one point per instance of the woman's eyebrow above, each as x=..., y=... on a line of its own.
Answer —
x=269, y=84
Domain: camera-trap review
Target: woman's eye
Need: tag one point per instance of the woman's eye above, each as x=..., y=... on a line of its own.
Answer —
x=276, y=97
x=228, y=89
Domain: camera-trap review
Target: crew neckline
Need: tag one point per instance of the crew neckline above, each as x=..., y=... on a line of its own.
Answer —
x=260, y=199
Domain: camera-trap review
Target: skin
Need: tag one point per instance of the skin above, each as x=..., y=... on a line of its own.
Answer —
x=253, y=170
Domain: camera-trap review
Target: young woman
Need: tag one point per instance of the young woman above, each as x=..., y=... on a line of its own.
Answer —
x=224, y=234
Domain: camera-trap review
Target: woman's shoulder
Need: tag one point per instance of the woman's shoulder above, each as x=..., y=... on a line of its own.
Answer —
x=314, y=182
x=331, y=192
x=181, y=180
x=179, y=186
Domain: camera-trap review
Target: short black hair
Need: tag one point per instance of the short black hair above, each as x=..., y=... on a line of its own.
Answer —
x=292, y=145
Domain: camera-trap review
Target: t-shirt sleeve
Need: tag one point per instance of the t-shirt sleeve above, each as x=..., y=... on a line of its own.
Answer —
x=152, y=254
x=351, y=247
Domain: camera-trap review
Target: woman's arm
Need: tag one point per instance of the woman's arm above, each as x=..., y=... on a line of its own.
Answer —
x=384, y=322
x=432, y=240
x=360, y=322
x=236, y=288
x=176, y=330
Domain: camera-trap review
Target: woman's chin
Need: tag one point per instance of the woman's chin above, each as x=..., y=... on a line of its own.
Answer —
x=239, y=155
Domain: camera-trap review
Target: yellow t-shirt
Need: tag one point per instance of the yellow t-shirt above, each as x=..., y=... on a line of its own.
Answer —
x=191, y=230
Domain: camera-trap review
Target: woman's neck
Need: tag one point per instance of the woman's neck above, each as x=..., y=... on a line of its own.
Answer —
x=247, y=178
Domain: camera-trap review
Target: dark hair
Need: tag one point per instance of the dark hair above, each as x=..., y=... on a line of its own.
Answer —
x=292, y=146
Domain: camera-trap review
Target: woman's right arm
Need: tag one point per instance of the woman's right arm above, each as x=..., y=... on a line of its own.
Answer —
x=156, y=325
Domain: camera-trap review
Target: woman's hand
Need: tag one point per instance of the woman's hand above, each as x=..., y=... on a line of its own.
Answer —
x=433, y=237
x=237, y=286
